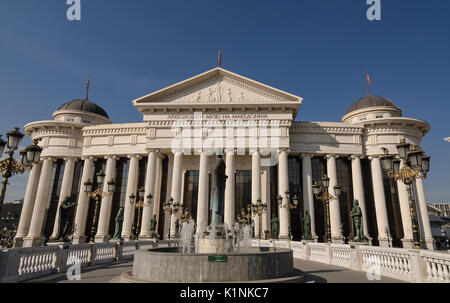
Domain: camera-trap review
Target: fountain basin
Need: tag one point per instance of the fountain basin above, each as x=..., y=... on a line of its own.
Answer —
x=167, y=264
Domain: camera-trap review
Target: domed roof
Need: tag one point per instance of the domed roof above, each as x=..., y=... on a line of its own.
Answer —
x=371, y=101
x=86, y=106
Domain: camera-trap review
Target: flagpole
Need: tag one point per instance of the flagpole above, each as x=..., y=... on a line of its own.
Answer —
x=368, y=84
x=87, y=88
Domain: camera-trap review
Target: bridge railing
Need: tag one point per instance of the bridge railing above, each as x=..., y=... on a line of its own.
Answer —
x=22, y=264
x=403, y=264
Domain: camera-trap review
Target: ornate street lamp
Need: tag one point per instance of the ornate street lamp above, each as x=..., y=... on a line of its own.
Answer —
x=416, y=165
x=10, y=166
x=259, y=208
x=292, y=203
x=321, y=193
x=97, y=194
x=139, y=205
x=171, y=207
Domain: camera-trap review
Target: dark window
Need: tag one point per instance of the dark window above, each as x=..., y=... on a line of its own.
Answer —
x=142, y=172
x=161, y=216
x=344, y=179
x=274, y=191
x=243, y=190
x=100, y=164
x=393, y=210
x=190, y=196
x=122, y=166
x=295, y=188
x=370, y=201
x=53, y=197
x=319, y=168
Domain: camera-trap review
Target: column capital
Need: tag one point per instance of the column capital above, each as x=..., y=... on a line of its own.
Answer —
x=253, y=151
x=51, y=159
x=139, y=157
x=177, y=151
x=230, y=151
x=371, y=157
x=75, y=159
x=153, y=150
x=114, y=157
x=84, y=158
x=306, y=155
x=284, y=149
x=329, y=156
x=353, y=157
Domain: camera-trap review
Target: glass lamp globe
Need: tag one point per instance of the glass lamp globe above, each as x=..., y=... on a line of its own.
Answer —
x=14, y=138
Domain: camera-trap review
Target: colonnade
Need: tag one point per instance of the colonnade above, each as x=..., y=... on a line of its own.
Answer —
x=30, y=229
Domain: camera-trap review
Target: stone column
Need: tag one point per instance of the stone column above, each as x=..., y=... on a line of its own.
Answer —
x=65, y=192
x=283, y=187
x=176, y=186
x=150, y=181
x=408, y=240
x=265, y=196
x=83, y=203
x=34, y=237
x=28, y=205
x=105, y=208
x=203, y=188
x=358, y=191
x=158, y=184
x=129, y=210
x=335, y=212
x=384, y=235
x=421, y=205
x=308, y=198
x=229, y=189
x=256, y=186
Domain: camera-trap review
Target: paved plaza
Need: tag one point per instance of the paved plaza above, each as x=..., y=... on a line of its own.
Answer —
x=314, y=273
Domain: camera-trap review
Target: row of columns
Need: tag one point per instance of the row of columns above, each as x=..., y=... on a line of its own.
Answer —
x=30, y=229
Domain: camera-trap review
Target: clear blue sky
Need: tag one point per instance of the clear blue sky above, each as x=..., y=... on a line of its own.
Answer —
x=317, y=49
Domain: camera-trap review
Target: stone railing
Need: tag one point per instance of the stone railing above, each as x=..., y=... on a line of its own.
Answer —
x=398, y=263
x=22, y=264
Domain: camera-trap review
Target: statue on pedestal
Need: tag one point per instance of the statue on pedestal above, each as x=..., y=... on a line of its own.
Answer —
x=357, y=219
x=66, y=222
x=119, y=223
x=218, y=179
x=275, y=227
x=306, y=226
x=177, y=228
x=252, y=225
x=153, y=226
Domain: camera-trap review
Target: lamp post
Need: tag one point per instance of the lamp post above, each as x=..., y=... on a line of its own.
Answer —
x=97, y=194
x=186, y=216
x=259, y=208
x=139, y=205
x=291, y=203
x=170, y=207
x=10, y=166
x=321, y=192
x=416, y=165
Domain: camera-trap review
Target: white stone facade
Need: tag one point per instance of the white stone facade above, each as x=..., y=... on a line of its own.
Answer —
x=253, y=126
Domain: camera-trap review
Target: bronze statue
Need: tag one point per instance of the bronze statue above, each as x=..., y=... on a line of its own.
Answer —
x=153, y=226
x=177, y=228
x=357, y=219
x=218, y=179
x=252, y=225
x=66, y=222
x=307, y=226
x=119, y=223
x=275, y=226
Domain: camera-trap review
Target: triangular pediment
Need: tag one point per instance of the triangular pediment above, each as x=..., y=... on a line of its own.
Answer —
x=218, y=86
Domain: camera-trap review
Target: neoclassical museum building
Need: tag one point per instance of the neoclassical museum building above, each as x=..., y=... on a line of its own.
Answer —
x=171, y=153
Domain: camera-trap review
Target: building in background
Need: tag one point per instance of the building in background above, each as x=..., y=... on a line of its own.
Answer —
x=81, y=140
x=440, y=223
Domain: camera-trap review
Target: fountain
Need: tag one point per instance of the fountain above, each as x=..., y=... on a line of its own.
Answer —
x=213, y=254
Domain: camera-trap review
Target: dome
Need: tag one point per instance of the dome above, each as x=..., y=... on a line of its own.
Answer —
x=86, y=106
x=371, y=101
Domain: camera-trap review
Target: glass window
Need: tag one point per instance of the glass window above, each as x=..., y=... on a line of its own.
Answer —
x=122, y=166
x=190, y=196
x=243, y=190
